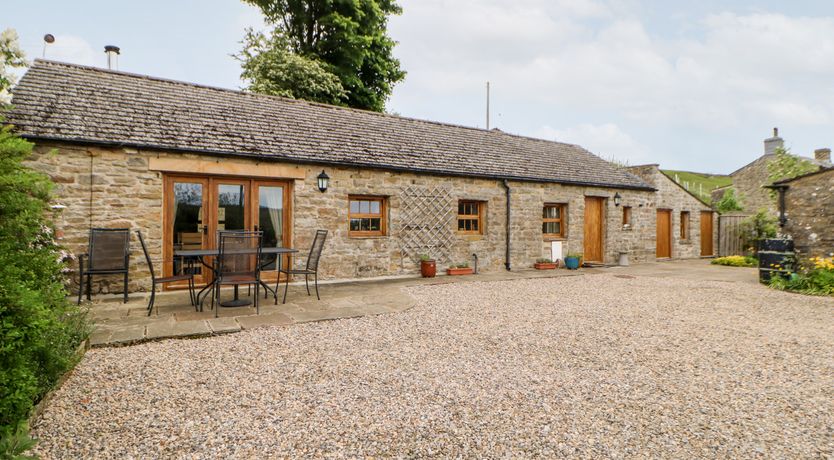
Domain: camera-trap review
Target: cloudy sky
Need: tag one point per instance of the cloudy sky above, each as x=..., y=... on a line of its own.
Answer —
x=689, y=85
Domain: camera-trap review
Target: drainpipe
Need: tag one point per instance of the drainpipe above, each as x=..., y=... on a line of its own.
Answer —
x=507, y=263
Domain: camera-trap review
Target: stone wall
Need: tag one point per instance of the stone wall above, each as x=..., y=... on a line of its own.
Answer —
x=748, y=182
x=809, y=208
x=671, y=195
x=126, y=193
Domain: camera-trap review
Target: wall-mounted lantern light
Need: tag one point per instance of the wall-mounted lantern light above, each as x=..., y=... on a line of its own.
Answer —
x=617, y=199
x=323, y=181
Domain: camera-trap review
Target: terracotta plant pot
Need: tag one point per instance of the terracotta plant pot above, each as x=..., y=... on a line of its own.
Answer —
x=545, y=265
x=459, y=271
x=428, y=268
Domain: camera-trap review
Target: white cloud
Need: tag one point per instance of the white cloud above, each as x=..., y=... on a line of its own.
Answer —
x=607, y=141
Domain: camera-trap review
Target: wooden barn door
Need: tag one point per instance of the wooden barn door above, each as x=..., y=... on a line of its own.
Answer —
x=706, y=234
x=664, y=234
x=593, y=229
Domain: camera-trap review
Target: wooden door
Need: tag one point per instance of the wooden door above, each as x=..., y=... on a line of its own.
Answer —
x=664, y=234
x=593, y=229
x=706, y=234
x=185, y=225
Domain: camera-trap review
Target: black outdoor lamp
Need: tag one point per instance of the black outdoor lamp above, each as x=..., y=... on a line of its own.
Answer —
x=617, y=199
x=323, y=180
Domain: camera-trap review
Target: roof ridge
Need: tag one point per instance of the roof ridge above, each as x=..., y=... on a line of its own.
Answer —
x=291, y=100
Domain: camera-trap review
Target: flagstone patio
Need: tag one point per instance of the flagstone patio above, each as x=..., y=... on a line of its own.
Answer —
x=118, y=323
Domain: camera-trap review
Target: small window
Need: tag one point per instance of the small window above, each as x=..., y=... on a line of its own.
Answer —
x=366, y=216
x=626, y=216
x=470, y=217
x=684, y=225
x=553, y=220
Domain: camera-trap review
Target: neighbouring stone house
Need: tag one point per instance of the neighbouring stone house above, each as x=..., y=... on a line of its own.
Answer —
x=809, y=212
x=750, y=180
x=685, y=225
x=181, y=162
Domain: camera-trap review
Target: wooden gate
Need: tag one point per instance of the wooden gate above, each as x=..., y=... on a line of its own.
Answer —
x=664, y=234
x=730, y=235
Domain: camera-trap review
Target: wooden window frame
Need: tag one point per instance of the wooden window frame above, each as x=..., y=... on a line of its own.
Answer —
x=481, y=206
x=627, y=217
x=383, y=216
x=685, y=231
x=562, y=220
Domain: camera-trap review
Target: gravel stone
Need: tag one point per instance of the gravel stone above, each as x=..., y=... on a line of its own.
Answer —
x=586, y=366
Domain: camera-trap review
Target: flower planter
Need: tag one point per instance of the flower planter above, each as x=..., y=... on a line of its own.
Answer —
x=545, y=265
x=428, y=268
x=572, y=263
x=459, y=271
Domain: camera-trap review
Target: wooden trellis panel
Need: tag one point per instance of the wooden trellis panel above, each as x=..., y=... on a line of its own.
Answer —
x=426, y=221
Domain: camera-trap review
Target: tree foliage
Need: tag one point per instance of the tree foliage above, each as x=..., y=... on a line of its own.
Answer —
x=11, y=56
x=728, y=202
x=347, y=37
x=271, y=68
x=39, y=328
x=784, y=165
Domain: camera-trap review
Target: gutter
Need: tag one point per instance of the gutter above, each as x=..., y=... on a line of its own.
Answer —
x=507, y=261
x=347, y=164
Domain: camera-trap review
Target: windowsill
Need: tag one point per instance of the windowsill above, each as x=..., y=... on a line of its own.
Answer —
x=367, y=237
x=471, y=236
x=555, y=238
x=627, y=229
x=686, y=242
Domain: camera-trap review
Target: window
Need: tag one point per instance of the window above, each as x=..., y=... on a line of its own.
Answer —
x=684, y=225
x=553, y=220
x=470, y=217
x=626, y=216
x=367, y=216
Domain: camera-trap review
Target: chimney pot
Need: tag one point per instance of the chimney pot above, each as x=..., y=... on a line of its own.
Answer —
x=823, y=154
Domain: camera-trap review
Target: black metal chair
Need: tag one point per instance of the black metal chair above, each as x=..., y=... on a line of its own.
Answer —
x=238, y=262
x=166, y=279
x=108, y=254
x=312, y=267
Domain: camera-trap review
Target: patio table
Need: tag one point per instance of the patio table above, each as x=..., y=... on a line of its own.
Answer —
x=203, y=254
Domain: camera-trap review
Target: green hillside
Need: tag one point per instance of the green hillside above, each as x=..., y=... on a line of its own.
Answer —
x=698, y=183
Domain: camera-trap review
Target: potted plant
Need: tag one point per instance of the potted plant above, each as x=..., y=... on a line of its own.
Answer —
x=545, y=264
x=459, y=269
x=428, y=267
x=573, y=260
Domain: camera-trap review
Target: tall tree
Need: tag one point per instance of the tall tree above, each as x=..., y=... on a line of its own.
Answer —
x=349, y=38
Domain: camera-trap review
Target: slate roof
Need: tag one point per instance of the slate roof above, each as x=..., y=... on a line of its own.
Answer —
x=68, y=102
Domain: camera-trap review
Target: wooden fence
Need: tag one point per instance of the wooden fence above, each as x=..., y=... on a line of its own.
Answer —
x=730, y=235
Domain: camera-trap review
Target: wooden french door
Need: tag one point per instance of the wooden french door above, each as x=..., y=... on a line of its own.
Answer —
x=706, y=233
x=197, y=208
x=664, y=234
x=593, y=229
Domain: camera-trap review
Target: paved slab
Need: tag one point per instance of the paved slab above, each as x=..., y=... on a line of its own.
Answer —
x=223, y=325
x=177, y=329
x=272, y=319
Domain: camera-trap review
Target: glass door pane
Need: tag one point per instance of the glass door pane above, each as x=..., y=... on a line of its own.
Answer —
x=231, y=207
x=270, y=219
x=186, y=211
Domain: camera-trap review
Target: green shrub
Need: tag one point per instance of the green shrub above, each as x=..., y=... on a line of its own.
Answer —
x=544, y=260
x=39, y=328
x=728, y=202
x=735, y=261
x=757, y=228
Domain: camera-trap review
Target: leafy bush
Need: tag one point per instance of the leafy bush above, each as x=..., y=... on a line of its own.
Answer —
x=815, y=280
x=544, y=260
x=728, y=202
x=39, y=328
x=462, y=265
x=735, y=261
x=575, y=255
x=757, y=228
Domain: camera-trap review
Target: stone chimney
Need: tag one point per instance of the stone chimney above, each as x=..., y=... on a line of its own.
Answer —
x=823, y=155
x=773, y=143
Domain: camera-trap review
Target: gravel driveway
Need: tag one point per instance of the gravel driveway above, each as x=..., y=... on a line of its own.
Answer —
x=584, y=366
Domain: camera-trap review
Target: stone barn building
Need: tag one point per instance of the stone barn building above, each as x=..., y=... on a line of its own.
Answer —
x=685, y=225
x=181, y=162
